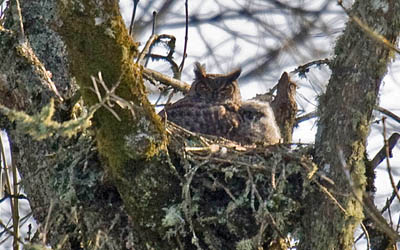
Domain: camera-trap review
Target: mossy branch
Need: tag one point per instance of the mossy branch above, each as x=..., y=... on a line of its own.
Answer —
x=41, y=125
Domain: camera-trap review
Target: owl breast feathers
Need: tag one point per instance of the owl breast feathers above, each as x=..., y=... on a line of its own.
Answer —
x=213, y=106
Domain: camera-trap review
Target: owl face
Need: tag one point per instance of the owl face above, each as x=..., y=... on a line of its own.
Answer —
x=215, y=88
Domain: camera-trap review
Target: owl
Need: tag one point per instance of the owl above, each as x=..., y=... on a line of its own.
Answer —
x=214, y=106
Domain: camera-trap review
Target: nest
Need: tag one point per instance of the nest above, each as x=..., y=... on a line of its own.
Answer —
x=234, y=196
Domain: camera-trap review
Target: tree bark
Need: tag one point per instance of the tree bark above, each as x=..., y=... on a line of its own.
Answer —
x=360, y=62
x=69, y=173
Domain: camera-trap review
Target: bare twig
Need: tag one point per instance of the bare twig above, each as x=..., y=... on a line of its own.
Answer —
x=366, y=235
x=390, y=200
x=8, y=230
x=313, y=114
x=4, y=165
x=135, y=3
x=388, y=113
x=146, y=49
x=186, y=36
x=153, y=33
x=12, y=187
x=187, y=208
x=331, y=197
x=46, y=225
x=305, y=117
x=3, y=7
x=170, y=60
x=166, y=80
x=373, y=34
x=143, y=24
x=271, y=55
x=387, y=160
x=390, y=217
x=29, y=233
x=398, y=224
x=305, y=68
x=376, y=216
x=110, y=97
x=265, y=214
x=382, y=154
x=15, y=207
x=368, y=204
x=219, y=184
x=153, y=30
x=170, y=43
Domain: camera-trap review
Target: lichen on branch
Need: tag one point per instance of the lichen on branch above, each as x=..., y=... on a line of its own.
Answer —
x=41, y=125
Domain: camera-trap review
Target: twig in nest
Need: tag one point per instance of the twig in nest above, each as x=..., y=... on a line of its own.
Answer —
x=213, y=148
x=187, y=207
x=219, y=184
x=265, y=215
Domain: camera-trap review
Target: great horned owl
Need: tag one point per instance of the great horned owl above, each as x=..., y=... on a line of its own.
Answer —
x=213, y=106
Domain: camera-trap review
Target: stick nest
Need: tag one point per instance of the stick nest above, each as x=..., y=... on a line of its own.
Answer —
x=234, y=196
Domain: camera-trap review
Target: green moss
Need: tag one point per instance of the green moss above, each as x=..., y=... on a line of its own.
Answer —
x=97, y=41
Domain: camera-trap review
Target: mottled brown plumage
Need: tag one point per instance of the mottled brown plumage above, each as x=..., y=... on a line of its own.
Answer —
x=213, y=106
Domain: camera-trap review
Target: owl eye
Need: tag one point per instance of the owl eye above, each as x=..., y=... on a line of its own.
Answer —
x=228, y=90
x=202, y=87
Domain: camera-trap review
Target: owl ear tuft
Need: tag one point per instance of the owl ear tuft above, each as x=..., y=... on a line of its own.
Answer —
x=232, y=76
x=199, y=70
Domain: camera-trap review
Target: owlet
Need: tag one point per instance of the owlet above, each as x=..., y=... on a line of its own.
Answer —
x=213, y=106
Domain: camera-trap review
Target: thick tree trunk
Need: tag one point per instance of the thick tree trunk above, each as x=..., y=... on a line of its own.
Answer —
x=69, y=173
x=360, y=62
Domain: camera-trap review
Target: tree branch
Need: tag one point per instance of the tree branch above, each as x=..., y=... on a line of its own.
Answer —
x=166, y=80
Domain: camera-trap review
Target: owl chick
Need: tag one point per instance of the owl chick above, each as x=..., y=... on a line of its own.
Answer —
x=213, y=106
